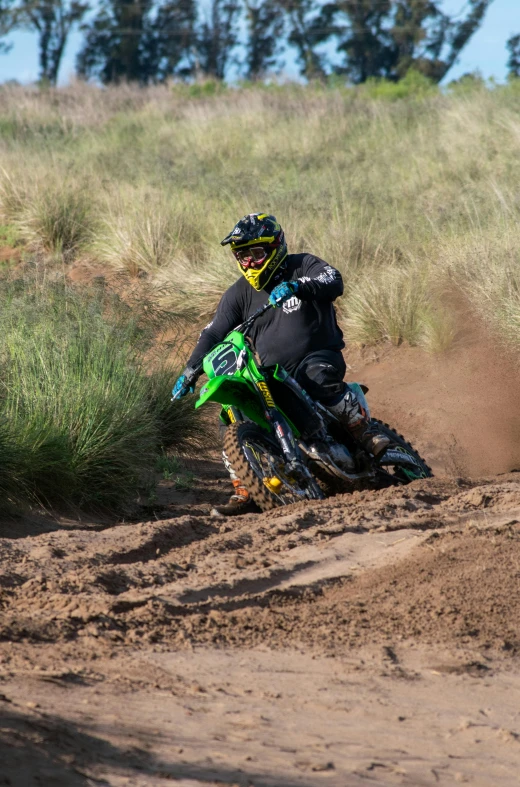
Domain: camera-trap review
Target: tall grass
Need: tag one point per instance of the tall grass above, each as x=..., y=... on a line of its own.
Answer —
x=51, y=214
x=488, y=270
x=137, y=238
x=57, y=218
x=391, y=305
x=406, y=190
x=82, y=418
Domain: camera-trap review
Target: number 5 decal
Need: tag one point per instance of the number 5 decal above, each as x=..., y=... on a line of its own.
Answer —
x=225, y=362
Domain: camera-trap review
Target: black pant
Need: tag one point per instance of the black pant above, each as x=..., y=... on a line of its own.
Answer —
x=321, y=374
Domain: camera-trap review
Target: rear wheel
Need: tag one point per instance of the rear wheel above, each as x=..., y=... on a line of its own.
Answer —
x=258, y=461
x=400, y=463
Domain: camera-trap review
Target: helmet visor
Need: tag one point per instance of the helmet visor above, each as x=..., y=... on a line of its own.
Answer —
x=251, y=257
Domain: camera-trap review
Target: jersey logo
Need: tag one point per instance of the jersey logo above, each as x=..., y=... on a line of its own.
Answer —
x=292, y=305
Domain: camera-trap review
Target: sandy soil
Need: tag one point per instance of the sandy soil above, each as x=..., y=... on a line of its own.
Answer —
x=370, y=638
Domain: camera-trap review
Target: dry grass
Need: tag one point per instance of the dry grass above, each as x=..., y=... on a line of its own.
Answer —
x=406, y=197
x=389, y=304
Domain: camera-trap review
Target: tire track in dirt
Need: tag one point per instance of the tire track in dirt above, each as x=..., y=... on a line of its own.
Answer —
x=349, y=640
x=270, y=577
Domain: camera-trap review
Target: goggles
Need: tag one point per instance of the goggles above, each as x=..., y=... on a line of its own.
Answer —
x=251, y=257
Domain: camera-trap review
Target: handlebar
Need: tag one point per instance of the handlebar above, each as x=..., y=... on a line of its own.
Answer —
x=243, y=328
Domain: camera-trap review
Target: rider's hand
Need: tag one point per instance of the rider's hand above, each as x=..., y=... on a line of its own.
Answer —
x=184, y=385
x=283, y=292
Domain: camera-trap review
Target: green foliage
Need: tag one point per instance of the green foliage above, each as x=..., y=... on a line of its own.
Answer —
x=8, y=22
x=310, y=24
x=467, y=84
x=202, y=88
x=184, y=481
x=264, y=19
x=152, y=41
x=172, y=469
x=81, y=418
x=412, y=85
x=217, y=37
x=8, y=235
x=167, y=466
x=384, y=39
x=138, y=42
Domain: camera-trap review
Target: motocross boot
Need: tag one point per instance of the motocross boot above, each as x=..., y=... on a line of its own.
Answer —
x=240, y=501
x=353, y=417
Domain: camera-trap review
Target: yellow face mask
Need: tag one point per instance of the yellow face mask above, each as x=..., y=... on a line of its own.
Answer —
x=258, y=260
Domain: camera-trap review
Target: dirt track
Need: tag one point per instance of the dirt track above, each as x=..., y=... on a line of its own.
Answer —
x=370, y=638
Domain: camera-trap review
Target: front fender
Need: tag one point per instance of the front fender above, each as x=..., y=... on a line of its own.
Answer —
x=234, y=391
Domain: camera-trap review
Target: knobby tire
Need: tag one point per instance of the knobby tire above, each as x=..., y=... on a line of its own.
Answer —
x=399, y=440
x=235, y=438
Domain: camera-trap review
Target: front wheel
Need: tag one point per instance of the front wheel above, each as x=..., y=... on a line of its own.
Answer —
x=258, y=461
x=400, y=463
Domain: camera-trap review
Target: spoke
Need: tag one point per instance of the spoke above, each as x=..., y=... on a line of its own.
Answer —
x=265, y=464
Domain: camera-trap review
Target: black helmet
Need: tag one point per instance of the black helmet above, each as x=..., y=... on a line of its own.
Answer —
x=259, y=246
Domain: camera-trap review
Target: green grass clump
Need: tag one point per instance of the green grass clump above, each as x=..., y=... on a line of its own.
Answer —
x=58, y=219
x=51, y=214
x=82, y=419
x=136, y=241
x=8, y=235
x=492, y=281
x=12, y=197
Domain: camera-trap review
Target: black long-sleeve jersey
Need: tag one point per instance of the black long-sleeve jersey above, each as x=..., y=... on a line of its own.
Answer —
x=305, y=323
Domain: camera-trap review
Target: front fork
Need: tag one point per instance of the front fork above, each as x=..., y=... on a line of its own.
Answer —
x=280, y=427
x=284, y=436
x=287, y=442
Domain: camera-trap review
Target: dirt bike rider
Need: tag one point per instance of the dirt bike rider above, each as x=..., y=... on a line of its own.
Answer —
x=301, y=334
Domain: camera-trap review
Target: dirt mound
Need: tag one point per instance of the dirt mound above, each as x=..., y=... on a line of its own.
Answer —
x=315, y=574
x=198, y=651
x=455, y=590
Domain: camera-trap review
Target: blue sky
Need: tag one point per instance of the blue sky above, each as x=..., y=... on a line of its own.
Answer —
x=485, y=52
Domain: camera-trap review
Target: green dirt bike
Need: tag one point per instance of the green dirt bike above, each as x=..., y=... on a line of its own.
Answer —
x=284, y=446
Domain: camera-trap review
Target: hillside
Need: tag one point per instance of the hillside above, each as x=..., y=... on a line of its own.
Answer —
x=370, y=638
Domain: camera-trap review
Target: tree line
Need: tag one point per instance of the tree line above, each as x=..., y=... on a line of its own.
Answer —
x=150, y=41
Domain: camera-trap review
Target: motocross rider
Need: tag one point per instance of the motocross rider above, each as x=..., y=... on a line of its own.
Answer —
x=301, y=333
